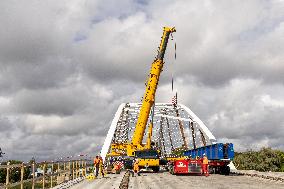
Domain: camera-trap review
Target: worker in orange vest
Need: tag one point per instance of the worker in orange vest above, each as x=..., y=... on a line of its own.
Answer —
x=101, y=165
x=136, y=167
x=205, y=165
x=97, y=165
x=116, y=168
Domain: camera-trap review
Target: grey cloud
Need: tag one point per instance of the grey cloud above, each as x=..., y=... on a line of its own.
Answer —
x=49, y=147
x=5, y=124
x=213, y=51
x=57, y=102
x=66, y=66
x=29, y=32
x=44, y=75
x=245, y=112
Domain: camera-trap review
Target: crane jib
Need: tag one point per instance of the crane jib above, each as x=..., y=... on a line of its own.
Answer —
x=164, y=46
x=149, y=95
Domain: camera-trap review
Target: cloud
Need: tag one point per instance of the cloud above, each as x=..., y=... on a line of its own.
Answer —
x=66, y=66
x=64, y=102
x=243, y=111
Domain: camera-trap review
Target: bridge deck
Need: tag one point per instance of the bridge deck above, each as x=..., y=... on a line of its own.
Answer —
x=110, y=181
x=168, y=181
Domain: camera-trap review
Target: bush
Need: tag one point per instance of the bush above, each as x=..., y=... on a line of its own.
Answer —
x=15, y=173
x=266, y=159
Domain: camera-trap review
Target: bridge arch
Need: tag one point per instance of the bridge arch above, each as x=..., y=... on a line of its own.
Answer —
x=174, y=127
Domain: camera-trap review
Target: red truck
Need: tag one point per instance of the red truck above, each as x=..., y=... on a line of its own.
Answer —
x=186, y=166
x=219, y=155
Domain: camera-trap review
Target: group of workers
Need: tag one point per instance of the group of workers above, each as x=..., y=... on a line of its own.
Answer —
x=99, y=166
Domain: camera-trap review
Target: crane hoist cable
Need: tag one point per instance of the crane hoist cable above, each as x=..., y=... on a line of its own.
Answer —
x=176, y=99
x=175, y=58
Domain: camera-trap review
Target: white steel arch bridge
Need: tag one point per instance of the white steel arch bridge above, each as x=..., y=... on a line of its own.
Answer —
x=174, y=127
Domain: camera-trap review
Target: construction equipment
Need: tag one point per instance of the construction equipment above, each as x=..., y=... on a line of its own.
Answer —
x=147, y=156
x=219, y=155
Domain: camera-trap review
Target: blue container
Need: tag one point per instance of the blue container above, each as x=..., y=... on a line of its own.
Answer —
x=208, y=151
x=213, y=152
x=220, y=151
x=193, y=153
x=231, y=153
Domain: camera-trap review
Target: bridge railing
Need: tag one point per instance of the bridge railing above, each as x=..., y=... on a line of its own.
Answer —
x=50, y=175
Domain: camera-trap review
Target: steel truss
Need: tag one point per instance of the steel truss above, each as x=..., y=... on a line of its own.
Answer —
x=174, y=127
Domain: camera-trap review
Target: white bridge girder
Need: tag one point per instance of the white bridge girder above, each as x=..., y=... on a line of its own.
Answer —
x=125, y=119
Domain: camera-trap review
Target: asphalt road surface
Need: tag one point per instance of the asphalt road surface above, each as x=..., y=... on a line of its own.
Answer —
x=165, y=180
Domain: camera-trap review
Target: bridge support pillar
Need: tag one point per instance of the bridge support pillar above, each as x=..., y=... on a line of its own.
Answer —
x=85, y=168
x=33, y=169
x=73, y=170
x=76, y=172
x=7, y=175
x=69, y=169
x=43, y=179
x=51, y=177
x=22, y=176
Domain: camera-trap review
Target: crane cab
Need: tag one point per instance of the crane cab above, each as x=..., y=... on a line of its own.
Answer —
x=148, y=158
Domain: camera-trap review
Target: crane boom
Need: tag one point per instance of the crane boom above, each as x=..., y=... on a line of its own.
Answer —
x=135, y=147
x=149, y=95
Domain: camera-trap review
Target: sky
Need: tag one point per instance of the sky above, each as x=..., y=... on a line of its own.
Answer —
x=66, y=66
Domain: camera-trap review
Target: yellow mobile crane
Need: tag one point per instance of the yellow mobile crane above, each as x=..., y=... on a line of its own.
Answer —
x=146, y=155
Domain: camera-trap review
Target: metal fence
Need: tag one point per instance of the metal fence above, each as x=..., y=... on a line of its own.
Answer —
x=52, y=173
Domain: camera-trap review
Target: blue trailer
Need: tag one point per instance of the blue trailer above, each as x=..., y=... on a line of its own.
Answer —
x=216, y=151
x=219, y=156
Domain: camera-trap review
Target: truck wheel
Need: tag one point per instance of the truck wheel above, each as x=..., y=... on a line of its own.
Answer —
x=212, y=170
x=225, y=170
x=171, y=169
x=156, y=169
x=218, y=170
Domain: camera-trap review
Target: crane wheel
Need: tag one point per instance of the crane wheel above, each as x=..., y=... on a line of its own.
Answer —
x=156, y=169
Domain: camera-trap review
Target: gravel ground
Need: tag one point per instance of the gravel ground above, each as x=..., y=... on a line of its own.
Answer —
x=272, y=174
x=168, y=181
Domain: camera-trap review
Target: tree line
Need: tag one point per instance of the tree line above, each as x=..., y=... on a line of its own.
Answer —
x=266, y=159
x=15, y=173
